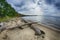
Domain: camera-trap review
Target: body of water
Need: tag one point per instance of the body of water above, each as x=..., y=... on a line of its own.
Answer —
x=52, y=21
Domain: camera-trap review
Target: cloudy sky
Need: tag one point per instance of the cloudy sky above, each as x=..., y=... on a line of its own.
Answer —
x=36, y=7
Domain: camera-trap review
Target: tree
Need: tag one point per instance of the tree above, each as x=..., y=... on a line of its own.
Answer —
x=6, y=9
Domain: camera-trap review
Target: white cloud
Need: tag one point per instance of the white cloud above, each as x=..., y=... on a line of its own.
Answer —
x=33, y=7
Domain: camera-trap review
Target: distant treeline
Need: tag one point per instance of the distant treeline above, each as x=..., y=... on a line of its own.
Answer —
x=6, y=10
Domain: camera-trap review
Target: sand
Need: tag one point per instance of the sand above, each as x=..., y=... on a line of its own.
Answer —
x=29, y=34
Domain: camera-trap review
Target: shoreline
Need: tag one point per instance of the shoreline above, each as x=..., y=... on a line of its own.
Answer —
x=49, y=27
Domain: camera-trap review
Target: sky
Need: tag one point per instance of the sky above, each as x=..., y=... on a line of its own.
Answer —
x=36, y=7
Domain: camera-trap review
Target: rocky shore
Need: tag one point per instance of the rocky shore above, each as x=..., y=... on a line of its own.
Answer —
x=18, y=29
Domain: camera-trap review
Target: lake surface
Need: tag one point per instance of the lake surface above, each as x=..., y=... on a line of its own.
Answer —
x=52, y=21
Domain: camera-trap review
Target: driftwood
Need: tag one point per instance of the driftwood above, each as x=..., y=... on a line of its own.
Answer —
x=37, y=30
x=19, y=26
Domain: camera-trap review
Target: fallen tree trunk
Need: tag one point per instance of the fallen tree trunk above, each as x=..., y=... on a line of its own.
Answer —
x=18, y=26
x=37, y=30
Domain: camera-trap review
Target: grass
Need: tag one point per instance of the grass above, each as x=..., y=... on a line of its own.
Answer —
x=6, y=18
x=2, y=19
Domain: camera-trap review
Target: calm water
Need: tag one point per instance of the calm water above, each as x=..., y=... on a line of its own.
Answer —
x=52, y=21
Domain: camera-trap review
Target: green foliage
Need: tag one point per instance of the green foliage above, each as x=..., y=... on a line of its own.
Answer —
x=6, y=9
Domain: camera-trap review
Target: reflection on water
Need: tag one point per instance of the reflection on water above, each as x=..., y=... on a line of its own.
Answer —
x=52, y=21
